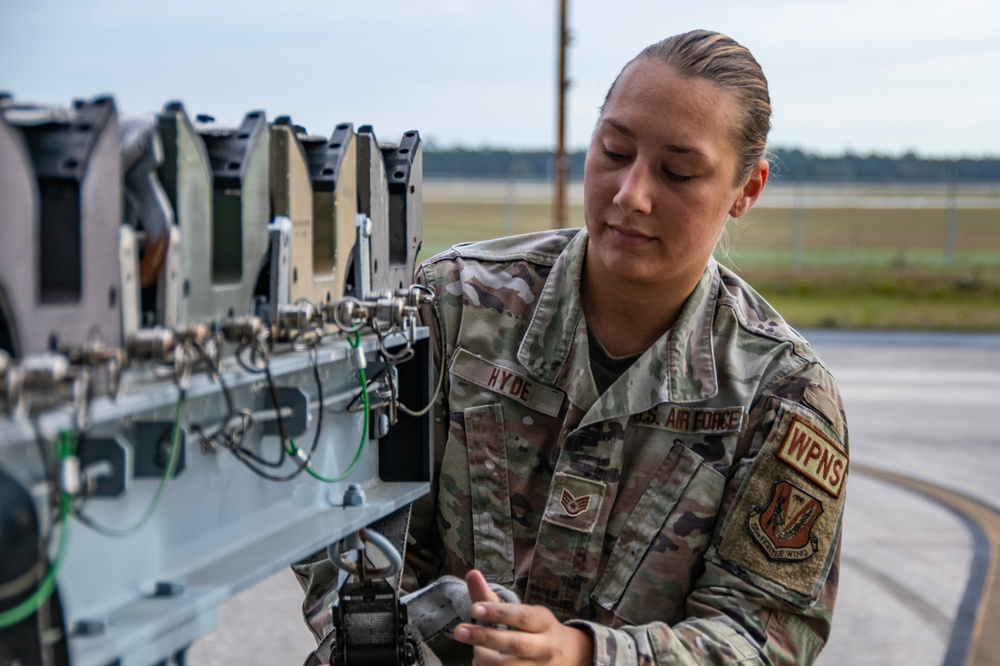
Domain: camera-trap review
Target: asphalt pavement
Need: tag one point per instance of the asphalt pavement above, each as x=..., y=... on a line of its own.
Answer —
x=917, y=563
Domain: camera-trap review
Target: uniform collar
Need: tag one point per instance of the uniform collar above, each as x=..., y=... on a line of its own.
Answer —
x=554, y=347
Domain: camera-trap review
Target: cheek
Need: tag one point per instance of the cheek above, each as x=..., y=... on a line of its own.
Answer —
x=597, y=196
x=707, y=213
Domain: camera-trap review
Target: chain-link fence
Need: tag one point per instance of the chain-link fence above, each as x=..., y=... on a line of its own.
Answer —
x=793, y=225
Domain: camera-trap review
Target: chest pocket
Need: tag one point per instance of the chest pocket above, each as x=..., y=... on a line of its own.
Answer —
x=493, y=539
x=658, y=554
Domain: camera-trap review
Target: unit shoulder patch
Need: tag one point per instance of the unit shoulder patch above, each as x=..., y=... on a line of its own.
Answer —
x=783, y=528
x=814, y=456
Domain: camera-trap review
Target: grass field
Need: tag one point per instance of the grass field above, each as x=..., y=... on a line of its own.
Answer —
x=889, y=257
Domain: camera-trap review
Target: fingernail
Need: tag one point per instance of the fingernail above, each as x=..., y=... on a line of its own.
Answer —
x=479, y=610
x=461, y=633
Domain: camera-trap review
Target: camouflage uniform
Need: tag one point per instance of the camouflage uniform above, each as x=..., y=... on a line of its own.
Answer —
x=690, y=514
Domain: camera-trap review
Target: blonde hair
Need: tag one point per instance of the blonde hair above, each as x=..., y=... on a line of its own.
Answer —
x=726, y=63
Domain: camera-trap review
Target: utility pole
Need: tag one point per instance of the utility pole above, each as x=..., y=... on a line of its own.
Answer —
x=562, y=84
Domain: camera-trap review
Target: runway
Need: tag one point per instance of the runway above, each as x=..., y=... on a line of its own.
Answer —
x=919, y=578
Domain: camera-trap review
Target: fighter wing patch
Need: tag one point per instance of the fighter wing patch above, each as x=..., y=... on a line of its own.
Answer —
x=783, y=529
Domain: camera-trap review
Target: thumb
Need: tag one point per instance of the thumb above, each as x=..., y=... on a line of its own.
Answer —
x=479, y=589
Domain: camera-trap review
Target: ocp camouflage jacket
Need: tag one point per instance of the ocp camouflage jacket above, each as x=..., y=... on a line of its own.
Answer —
x=691, y=514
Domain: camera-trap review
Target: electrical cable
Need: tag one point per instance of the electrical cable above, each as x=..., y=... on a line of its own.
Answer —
x=168, y=474
x=441, y=373
x=41, y=594
x=221, y=436
x=392, y=555
x=353, y=342
x=29, y=577
x=370, y=386
x=304, y=459
x=233, y=443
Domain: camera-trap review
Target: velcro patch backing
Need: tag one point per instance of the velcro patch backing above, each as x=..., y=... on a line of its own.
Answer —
x=782, y=529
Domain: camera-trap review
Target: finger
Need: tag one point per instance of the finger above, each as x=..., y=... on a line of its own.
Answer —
x=533, y=619
x=504, y=642
x=484, y=657
x=479, y=589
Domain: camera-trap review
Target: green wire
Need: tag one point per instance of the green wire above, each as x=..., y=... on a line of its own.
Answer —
x=161, y=490
x=65, y=447
x=293, y=450
x=12, y=616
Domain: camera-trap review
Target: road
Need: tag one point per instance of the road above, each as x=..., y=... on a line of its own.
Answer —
x=923, y=407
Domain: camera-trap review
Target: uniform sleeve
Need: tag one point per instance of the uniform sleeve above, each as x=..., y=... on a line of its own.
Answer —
x=766, y=595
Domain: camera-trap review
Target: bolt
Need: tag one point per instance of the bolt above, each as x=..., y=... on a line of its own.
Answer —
x=168, y=588
x=89, y=627
x=354, y=496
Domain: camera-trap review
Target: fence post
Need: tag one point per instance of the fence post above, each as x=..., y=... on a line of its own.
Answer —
x=951, y=230
x=798, y=226
x=509, y=200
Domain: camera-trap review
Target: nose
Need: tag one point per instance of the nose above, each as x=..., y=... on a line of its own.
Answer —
x=635, y=192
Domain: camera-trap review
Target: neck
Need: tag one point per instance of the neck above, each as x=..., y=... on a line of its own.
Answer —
x=626, y=317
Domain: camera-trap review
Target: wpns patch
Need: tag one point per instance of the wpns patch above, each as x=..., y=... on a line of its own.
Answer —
x=783, y=528
x=814, y=456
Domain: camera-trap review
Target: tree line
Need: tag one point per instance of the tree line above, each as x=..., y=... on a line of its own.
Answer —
x=787, y=165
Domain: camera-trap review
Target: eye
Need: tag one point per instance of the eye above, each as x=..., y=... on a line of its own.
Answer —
x=613, y=156
x=676, y=177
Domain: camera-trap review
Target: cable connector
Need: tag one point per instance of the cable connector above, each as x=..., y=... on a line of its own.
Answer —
x=243, y=330
x=359, y=361
x=152, y=344
x=44, y=380
x=70, y=475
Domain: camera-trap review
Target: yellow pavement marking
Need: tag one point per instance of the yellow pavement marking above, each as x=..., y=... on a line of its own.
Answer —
x=985, y=646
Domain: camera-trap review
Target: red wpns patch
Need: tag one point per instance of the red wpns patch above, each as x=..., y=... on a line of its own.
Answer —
x=573, y=506
x=818, y=459
x=783, y=529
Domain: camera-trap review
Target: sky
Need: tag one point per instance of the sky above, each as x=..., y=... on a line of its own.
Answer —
x=865, y=76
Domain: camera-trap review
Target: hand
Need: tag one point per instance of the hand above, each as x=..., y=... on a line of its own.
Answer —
x=534, y=635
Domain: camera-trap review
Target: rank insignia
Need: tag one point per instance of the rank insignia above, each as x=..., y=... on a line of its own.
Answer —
x=574, y=503
x=783, y=529
x=573, y=506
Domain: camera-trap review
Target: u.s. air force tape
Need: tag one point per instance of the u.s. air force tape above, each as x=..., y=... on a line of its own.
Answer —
x=692, y=420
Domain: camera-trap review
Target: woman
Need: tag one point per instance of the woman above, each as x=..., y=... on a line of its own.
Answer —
x=629, y=437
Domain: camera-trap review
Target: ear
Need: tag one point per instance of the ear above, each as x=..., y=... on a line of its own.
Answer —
x=751, y=190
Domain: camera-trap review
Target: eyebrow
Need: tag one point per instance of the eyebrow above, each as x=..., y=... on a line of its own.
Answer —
x=670, y=147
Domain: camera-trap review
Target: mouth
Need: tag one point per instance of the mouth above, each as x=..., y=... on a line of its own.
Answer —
x=629, y=237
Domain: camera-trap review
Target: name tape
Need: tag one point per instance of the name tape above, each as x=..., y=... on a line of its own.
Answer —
x=505, y=381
